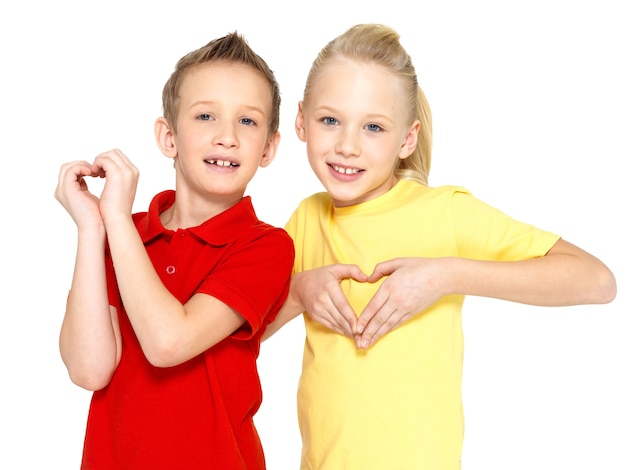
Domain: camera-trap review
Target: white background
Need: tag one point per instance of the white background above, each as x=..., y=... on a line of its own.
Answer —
x=529, y=108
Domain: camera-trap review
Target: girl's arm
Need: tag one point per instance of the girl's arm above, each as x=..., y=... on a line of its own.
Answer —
x=318, y=291
x=566, y=275
x=89, y=341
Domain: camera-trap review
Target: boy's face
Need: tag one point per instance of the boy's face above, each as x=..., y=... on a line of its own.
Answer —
x=354, y=122
x=221, y=134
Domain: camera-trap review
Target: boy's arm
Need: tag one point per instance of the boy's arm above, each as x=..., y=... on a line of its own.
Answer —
x=289, y=310
x=566, y=275
x=89, y=340
x=169, y=332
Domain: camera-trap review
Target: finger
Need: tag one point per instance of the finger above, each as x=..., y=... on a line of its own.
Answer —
x=115, y=156
x=326, y=322
x=125, y=159
x=73, y=170
x=376, y=303
x=322, y=309
x=343, y=312
x=107, y=162
x=341, y=324
x=334, y=306
x=332, y=321
x=366, y=341
x=118, y=170
x=385, y=319
x=349, y=271
x=348, y=318
x=385, y=268
x=70, y=174
x=121, y=159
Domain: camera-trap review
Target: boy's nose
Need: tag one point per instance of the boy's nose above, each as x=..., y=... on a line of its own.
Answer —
x=225, y=135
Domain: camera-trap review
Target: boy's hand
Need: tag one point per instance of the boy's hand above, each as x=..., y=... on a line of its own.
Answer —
x=73, y=194
x=319, y=292
x=120, y=187
x=413, y=285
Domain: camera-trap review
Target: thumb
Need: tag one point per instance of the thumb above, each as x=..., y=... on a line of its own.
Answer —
x=349, y=271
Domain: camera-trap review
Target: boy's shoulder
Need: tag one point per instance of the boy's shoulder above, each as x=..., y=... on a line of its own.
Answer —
x=263, y=229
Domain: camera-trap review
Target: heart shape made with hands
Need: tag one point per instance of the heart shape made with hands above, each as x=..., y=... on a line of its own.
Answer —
x=407, y=288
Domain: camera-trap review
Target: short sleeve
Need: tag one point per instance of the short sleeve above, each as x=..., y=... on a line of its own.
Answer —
x=484, y=232
x=253, y=278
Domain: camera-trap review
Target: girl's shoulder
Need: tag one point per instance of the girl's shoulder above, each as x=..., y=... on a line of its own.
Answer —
x=419, y=190
x=321, y=199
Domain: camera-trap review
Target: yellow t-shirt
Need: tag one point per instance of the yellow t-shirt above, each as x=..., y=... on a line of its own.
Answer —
x=397, y=405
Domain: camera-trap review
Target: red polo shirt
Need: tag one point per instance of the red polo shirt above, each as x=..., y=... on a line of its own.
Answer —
x=199, y=414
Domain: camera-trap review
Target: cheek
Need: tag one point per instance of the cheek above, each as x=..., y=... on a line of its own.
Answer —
x=260, y=141
x=188, y=139
x=315, y=153
x=317, y=165
x=317, y=143
x=388, y=151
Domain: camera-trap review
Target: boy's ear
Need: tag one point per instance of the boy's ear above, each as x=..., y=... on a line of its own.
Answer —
x=300, y=131
x=165, y=138
x=270, y=149
x=410, y=141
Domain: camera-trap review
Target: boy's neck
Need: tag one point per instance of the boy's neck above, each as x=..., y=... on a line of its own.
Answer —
x=183, y=214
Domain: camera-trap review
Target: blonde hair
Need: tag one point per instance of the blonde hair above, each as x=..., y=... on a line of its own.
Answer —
x=232, y=48
x=380, y=44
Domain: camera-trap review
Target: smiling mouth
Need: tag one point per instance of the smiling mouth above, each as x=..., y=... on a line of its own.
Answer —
x=222, y=163
x=346, y=171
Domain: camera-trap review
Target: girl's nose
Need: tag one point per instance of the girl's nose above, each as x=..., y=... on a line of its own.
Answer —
x=348, y=143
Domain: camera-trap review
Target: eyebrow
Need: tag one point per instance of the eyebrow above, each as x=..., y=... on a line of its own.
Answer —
x=331, y=110
x=246, y=106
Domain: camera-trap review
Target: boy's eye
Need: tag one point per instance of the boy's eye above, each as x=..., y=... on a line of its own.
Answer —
x=331, y=121
x=205, y=117
x=374, y=127
x=247, y=121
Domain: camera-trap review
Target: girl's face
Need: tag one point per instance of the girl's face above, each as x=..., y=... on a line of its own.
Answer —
x=354, y=121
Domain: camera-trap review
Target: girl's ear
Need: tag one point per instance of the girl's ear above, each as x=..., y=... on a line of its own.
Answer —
x=165, y=138
x=410, y=141
x=300, y=131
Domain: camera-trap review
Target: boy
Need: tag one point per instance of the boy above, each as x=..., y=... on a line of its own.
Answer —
x=167, y=307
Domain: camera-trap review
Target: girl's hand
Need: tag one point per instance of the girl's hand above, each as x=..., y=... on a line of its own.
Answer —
x=73, y=194
x=120, y=187
x=319, y=292
x=413, y=285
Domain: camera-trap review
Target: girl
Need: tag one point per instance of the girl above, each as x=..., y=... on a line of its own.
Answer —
x=383, y=390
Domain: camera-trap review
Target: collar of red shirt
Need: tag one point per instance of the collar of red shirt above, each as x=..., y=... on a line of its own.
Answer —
x=218, y=230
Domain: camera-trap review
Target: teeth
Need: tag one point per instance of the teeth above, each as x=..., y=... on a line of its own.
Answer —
x=345, y=171
x=221, y=163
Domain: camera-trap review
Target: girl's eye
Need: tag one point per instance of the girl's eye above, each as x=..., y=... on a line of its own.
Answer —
x=205, y=117
x=247, y=121
x=331, y=121
x=374, y=127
